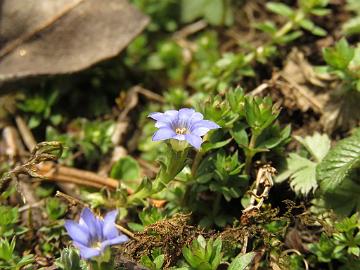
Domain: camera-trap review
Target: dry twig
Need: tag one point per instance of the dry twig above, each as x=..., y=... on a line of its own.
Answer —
x=45, y=151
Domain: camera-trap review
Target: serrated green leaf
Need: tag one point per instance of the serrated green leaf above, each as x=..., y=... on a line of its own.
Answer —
x=343, y=200
x=339, y=162
x=242, y=261
x=348, y=223
x=317, y=145
x=302, y=173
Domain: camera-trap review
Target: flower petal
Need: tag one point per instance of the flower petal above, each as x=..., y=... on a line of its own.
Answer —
x=88, y=219
x=196, y=117
x=109, y=229
x=163, y=134
x=194, y=140
x=77, y=232
x=200, y=131
x=186, y=113
x=205, y=123
x=160, y=124
x=86, y=252
x=167, y=116
x=114, y=241
x=157, y=116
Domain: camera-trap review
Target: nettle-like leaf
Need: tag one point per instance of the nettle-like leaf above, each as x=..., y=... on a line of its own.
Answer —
x=340, y=163
x=318, y=145
x=302, y=171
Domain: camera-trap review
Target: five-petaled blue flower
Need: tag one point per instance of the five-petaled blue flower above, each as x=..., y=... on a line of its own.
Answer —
x=183, y=125
x=93, y=234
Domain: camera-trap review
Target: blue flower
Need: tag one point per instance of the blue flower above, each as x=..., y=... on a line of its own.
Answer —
x=93, y=234
x=183, y=125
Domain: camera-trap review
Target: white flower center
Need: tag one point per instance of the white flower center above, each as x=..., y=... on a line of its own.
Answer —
x=181, y=131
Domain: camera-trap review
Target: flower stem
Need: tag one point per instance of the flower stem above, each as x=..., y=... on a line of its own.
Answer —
x=196, y=163
x=175, y=163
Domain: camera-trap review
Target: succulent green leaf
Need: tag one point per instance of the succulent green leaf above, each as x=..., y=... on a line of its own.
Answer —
x=280, y=9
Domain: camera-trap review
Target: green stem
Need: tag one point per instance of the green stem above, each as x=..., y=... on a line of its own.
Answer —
x=175, y=164
x=250, y=153
x=216, y=204
x=196, y=163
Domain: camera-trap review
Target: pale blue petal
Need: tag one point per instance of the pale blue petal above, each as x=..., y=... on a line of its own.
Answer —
x=205, y=123
x=200, y=131
x=156, y=116
x=196, y=117
x=163, y=134
x=194, y=140
x=88, y=219
x=114, y=241
x=77, y=232
x=168, y=116
x=109, y=229
x=160, y=124
x=186, y=113
x=87, y=252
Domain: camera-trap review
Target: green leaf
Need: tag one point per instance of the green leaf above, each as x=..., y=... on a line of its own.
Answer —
x=343, y=200
x=352, y=26
x=239, y=134
x=317, y=145
x=242, y=261
x=215, y=12
x=267, y=27
x=190, y=258
x=146, y=261
x=210, y=146
x=302, y=173
x=348, y=223
x=126, y=169
x=340, y=56
x=339, y=162
x=280, y=8
x=289, y=37
x=135, y=227
x=159, y=261
x=311, y=27
x=190, y=10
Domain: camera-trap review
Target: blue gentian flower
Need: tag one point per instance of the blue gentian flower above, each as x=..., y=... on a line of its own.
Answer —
x=93, y=234
x=183, y=125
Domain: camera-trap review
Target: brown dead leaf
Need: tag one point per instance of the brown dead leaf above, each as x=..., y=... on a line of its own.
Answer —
x=300, y=79
x=63, y=36
x=341, y=112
